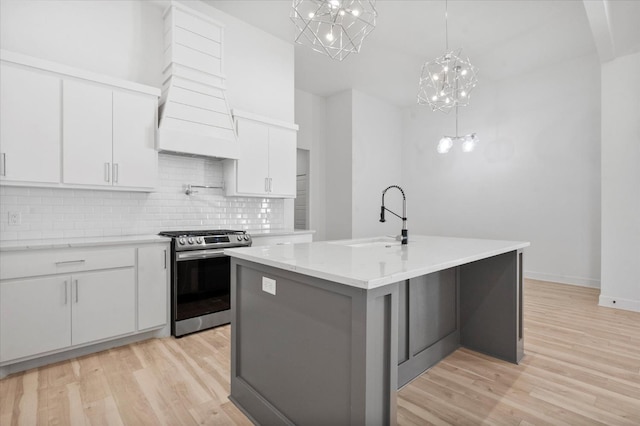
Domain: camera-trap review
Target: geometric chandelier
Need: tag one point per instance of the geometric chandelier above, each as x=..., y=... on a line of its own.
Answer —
x=445, y=84
x=333, y=27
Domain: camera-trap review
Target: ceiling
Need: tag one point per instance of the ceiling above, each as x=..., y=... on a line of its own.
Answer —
x=503, y=38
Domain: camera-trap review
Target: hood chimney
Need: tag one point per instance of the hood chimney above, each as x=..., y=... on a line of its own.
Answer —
x=194, y=114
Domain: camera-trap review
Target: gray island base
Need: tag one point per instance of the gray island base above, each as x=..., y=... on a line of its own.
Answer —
x=318, y=338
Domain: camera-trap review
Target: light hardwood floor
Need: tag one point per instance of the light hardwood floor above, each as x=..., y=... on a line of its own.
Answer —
x=581, y=367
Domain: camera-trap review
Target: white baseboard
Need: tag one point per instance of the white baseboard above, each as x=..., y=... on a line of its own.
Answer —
x=582, y=282
x=618, y=303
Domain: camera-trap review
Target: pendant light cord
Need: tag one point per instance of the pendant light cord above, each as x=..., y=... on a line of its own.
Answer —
x=446, y=26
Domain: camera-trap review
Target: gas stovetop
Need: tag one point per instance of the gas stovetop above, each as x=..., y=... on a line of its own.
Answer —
x=207, y=239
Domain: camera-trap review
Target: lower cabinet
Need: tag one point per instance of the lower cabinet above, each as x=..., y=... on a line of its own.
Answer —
x=35, y=316
x=152, y=286
x=73, y=305
x=103, y=305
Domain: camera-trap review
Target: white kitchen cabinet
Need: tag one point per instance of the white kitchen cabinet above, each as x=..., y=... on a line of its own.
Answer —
x=30, y=128
x=266, y=166
x=103, y=305
x=153, y=280
x=35, y=316
x=69, y=128
x=135, y=157
x=109, y=136
x=87, y=130
x=54, y=300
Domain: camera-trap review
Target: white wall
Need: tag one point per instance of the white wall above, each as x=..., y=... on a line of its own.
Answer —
x=121, y=39
x=124, y=39
x=377, y=163
x=621, y=183
x=338, y=212
x=535, y=175
x=310, y=115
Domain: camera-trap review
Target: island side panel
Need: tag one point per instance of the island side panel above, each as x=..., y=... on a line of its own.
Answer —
x=313, y=353
x=429, y=322
x=491, y=306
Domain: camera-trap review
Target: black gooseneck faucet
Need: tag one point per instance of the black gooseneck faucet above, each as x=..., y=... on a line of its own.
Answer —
x=405, y=233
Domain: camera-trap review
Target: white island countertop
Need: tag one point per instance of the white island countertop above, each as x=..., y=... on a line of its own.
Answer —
x=373, y=262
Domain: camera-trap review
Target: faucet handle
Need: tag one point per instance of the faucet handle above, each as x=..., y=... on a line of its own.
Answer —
x=405, y=236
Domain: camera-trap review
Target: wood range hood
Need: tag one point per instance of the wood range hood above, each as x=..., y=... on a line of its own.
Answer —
x=194, y=113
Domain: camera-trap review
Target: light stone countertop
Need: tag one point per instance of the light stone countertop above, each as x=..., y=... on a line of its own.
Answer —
x=373, y=262
x=39, y=244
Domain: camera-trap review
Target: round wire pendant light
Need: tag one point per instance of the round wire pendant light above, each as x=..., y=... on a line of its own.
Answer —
x=333, y=27
x=446, y=82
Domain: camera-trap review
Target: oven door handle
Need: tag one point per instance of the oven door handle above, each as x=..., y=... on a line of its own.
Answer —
x=199, y=254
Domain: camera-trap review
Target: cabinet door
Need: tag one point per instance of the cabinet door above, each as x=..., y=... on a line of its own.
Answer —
x=135, y=159
x=103, y=304
x=87, y=133
x=282, y=162
x=30, y=129
x=253, y=164
x=35, y=316
x=153, y=286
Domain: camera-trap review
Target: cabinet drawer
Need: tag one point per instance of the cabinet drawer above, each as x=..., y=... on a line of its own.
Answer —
x=32, y=263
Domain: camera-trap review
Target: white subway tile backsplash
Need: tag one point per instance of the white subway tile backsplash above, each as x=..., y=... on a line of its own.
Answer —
x=68, y=213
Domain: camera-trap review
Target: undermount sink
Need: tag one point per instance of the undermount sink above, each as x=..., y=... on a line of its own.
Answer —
x=369, y=242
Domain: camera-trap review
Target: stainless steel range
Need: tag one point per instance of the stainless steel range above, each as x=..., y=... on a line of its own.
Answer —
x=200, y=280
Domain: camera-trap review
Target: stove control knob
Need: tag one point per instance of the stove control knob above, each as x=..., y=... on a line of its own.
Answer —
x=246, y=238
x=190, y=240
x=239, y=237
x=199, y=240
x=181, y=241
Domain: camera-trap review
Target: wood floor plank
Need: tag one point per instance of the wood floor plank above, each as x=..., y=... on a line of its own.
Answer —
x=581, y=367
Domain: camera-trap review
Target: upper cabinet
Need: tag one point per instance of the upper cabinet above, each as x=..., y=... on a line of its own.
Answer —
x=63, y=127
x=266, y=166
x=30, y=128
x=108, y=136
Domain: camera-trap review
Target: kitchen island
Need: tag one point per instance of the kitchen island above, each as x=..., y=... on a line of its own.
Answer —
x=326, y=332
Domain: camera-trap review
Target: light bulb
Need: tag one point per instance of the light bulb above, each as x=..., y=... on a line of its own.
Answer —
x=334, y=3
x=311, y=15
x=435, y=76
x=444, y=145
x=341, y=12
x=463, y=94
x=447, y=100
x=329, y=36
x=464, y=71
x=355, y=12
x=442, y=93
x=469, y=143
x=434, y=98
x=446, y=68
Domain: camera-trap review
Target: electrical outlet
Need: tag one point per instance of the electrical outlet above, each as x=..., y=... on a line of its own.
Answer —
x=269, y=285
x=14, y=218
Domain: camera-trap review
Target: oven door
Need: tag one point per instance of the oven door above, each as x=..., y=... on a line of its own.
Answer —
x=202, y=284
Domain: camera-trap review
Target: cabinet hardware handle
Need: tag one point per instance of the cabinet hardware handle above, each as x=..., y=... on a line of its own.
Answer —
x=76, y=291
x=115, y=173
x=66, y=292
x=270, y=185
x=165, y=258
x=107, y=172
x=266, y=185
x=4, y=164
x=66, y=262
